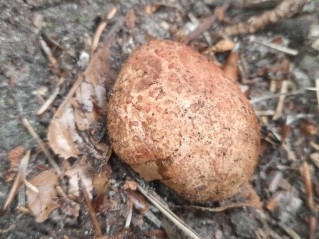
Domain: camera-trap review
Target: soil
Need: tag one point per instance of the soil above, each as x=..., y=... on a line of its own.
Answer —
x=280, y=176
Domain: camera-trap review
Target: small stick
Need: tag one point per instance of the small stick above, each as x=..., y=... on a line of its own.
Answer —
x=261, y=113
x=48, y=102
x=283, y=49
x=313, y=224
x=96, y=223
x=317, y=91
x=263, y=98
x=281, y=101
x=306, y=174
x=18, y=180
x=48, y=52
x=168, y=213
x=140, y=204
x=202, y=27
x=30, y=186
x=25, y=122
x=285, y=9
x=129, y=214
x=219, y=209
x=290, y=231
x=197, y=22
x=43, y=147
x=101, y=28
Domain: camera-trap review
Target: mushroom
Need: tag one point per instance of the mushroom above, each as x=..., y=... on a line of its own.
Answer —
x=174, y=116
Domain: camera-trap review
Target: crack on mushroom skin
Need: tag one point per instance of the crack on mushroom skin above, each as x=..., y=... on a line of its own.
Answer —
x=180, y=120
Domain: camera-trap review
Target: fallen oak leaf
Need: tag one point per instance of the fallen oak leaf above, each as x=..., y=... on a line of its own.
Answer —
x=42, y=204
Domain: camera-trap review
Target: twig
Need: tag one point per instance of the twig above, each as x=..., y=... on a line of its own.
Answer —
x=261, y=113
x=283, y=49
x=18, y=180
x=48, y=102
x=306, y=174
x=218, y=209
x=168, y=213
x=129, y=214
x=268, y=97
x=281, y=101
x=202, y=27
x=317, y=91
x=285, y=9
x=140, y=204
x=101, y=28
x=43, y=147
x=96, y=223
x=25, y=122
x=30, y=186
x=48, y=52
x=194, y=20
x=290, y=231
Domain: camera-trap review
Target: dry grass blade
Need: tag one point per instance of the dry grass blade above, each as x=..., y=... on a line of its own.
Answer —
x=48, y=102
x=18, y=180
x=290, y=231
x=317, y=91
x=286, y=50
x=281, y=101
x=306, y=174
x=101, y=28
x=168, y=213
x=96, y=223
x=48, y=52
x=129, y=214
x=43, y=147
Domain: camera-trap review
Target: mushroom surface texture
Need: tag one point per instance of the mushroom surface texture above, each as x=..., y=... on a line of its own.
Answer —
x=174, y=116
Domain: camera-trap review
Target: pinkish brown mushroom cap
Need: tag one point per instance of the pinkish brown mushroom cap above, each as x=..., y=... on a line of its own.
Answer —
x=174, y=116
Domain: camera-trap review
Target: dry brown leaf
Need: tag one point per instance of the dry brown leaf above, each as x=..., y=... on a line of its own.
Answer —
x=222, y=46
x=138, y=201
x=100, y=183
x=41, y=204
x=83, y=106
x=308, y=127
x=14, y=156
x=305, y=171
x=274, y=201
x=231, y=66
x=77, y=172
x=220, y=13
x=67, y=206
x=151, y=8
x=130, y=19
x=18, y=180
